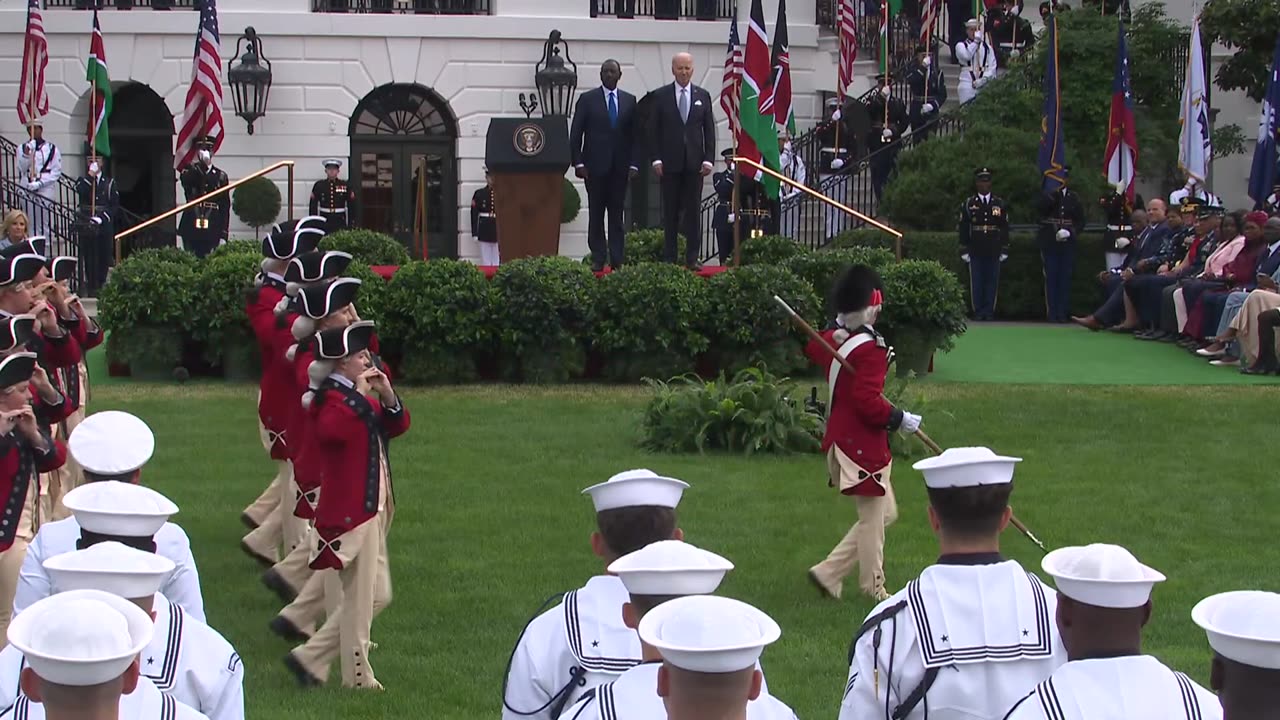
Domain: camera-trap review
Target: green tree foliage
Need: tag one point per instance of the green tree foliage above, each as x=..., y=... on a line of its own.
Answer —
x=1249, y=28
x=256, y=203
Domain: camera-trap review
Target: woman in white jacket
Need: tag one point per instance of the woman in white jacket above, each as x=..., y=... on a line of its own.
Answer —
x=977, y=62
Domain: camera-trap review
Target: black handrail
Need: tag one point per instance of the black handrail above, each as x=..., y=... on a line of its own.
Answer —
x=664, y=9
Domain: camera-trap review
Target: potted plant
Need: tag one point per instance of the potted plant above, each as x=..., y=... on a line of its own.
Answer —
x=256, y=203
x=924, y=312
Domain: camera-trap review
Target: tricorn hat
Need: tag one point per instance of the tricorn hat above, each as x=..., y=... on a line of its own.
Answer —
x=318, y=301
x=339, y=343
x=34, y=245
x=316, y=266
x=287, y=241
x=16, y=331
x=62, y=267
x=857, y=289
x=20, y=268
x=17, y=368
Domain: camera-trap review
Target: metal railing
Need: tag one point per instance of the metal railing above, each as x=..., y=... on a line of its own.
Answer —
x=904, y=31
x=59, y=224
x=405, y=7
x=121, y=4
x=152, y=222
x=664, y=9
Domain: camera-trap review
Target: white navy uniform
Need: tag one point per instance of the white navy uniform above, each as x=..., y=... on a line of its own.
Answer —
x=635, y=695
x=1202, y=196
x=186, y=659
x=584, y=632
x=1136, y=687
x=977, y=67
x=55, y=538
x=146, y=702
x=964, y=641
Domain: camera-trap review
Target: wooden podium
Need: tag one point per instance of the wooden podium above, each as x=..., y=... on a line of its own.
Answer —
x=528, y=159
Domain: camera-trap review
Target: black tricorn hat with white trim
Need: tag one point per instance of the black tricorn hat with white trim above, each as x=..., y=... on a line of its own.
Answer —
x=16, y=331
x=339, y=343
x=62, y=267
x=290, y=240
x=316, y=266
x=17, y=369
x=20, y=268
x=36, y=245
x=318, y=301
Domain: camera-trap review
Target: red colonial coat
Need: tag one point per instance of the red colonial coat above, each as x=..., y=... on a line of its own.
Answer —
x=67, y=380
x=60, y=352
x=278, y=391
x=859, y=418
x=49, y=415
x=348, y=430
x=20, y=466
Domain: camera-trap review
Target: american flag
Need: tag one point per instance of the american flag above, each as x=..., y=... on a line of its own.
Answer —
x=931, y=10
x=203, y=113
x=732, y=76
x=846, y=19
x=33, y=101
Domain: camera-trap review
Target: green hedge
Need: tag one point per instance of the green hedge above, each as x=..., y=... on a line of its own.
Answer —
x=666, y=338
x=443, y=320
x=367, y=246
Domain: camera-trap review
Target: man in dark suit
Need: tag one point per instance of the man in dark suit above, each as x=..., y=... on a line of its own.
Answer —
x=683, y=138
x=1150, y=235
x=602, y=142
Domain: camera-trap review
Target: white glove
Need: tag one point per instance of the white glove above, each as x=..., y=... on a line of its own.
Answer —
x=840, y=335
x=927, y=108
x=1121, y=187
x=34, y=185
x=977, y=35
x=1015, y=11
x=1064, y=234
x=980, y=82
x=95, y=220
x=965, y=257
x=837, y=164
x=1015, y=53
x=1003, y=257
x=1122, y=243
x=222, y=242
x=910, y=423
x=837, y=114
x=886, y=134
x=732, y=217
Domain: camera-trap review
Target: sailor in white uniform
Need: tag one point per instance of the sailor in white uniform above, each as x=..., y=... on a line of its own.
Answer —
x=977, y=62
x=186, y=659
x=1104, y=601
x=142, y=576
x=972, y=634
x=1244, y=632
x=582, y=642
x=710, y=648
x=112, y=446
x=82, y=650
x=653, y=575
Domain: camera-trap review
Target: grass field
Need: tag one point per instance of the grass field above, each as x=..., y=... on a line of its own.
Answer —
x=489, y=521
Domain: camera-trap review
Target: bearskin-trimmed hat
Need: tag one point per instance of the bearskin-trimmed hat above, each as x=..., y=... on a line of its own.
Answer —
x=857, y=289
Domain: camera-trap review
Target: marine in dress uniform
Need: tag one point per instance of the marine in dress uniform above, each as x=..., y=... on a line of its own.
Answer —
x=99, y=202
x=112, y=447
x=838, y=146
x=332, y=198
x=974, y=632
x=710, y=648
x=984, y=244
x=39, y=165
x=1118, y=239
x=977, y=62
x=206, y=225
x=1104, y=601
x=655, y=574
x=888, y=122
x=928, y=93
x=278, y=395
x=81, y=651
x=1061, y=222
x=856, y=440
x=357, y=499
x=1009, y=33
x=1244, y=632
x=583, y=642
x=484, y=222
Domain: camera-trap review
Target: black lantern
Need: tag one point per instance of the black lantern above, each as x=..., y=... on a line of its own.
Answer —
x=557, y=83
x=250, y=81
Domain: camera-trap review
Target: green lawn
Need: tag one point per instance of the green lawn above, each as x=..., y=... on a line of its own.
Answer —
x=489, y=520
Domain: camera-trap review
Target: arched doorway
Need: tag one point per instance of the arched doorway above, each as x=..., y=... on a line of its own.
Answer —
x=401, y=133
x=142, y=150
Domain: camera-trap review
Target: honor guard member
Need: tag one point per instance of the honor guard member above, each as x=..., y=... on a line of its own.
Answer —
x=856, y=439
x=55, y=347
x=1010, y=34
x=1193, y=191
x=39, y=165
x=928, y=92
x=984, y=244
x=111, y=448
x=838, y=143
x=204, y=226
x=653, y=575
x=1244, y=633
x=974, y=632
x=1117, y=241
x=82, y=653
x=186, y=659
x=332, y=198
x=1272, y=205
x=977, y=62
x=710, y=648
x=357, y=500
x=1061, y=222
x=1104, y=602
x=582, y=642
x=888, y=123
x=125, y=573
x=484, y=222
x=723, y=219
x=99, y=202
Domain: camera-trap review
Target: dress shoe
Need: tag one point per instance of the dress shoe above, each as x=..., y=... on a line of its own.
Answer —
x=262, y=559
x=829, y=591
x=1126, y=329
x=695, y=267
x=597, y=267
x=1207, y=353
x=248, y=521
x=1169, y=338
x=285, y=628
x=1087, y=322
x=1225, y=362
x=1150, y=335
x=1257, y=370
x=276, y=583
x=301, y=674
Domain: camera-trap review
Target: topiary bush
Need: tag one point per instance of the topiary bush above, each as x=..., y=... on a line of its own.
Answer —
x=923, y=311
x=256, y=202
x=646, y=246
x=747, y=326
x=771, y=249
x=543, y=317
x=367, y=246
x=218, y=318
x=821, y=268
x=570, y=203
x=650, y=320
x=237, y=247
x=442, y=312
x=146, y=305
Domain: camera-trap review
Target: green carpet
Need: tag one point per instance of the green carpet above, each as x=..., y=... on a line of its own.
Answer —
x=1070, y=355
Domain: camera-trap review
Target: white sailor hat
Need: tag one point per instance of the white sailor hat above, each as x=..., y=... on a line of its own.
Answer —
x=670, y=567
x=1243, y=626
x=122, y=509
x=82, y=637
x=636, y=488
x=111, y=442
x=966, y=467
x=971, y=23
x=1102, y=575
x=708, y=634
x=332, y=162
x=110, y=567
x=36, y=120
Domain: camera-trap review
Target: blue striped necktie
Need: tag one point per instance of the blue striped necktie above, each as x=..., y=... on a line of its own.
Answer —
x=613, y=110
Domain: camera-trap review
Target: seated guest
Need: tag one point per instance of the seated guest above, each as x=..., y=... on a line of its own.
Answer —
x=1241, y=270
x=1176, y=260
x=1266, y=364
x=1115, y=312
x=1224, y=350
x=1230, y=240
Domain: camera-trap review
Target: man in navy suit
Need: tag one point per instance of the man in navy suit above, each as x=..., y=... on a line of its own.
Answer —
x=683, y=138
x=602, y=142
x=1148, y=239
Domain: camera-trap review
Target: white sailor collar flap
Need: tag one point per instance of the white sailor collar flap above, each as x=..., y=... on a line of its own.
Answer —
x=991, y=613
x=159, y=661
x=594, y=632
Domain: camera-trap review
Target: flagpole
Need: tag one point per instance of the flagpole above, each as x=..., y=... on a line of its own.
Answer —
x=93, y=137
x=31, y=103
x=884, y=54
